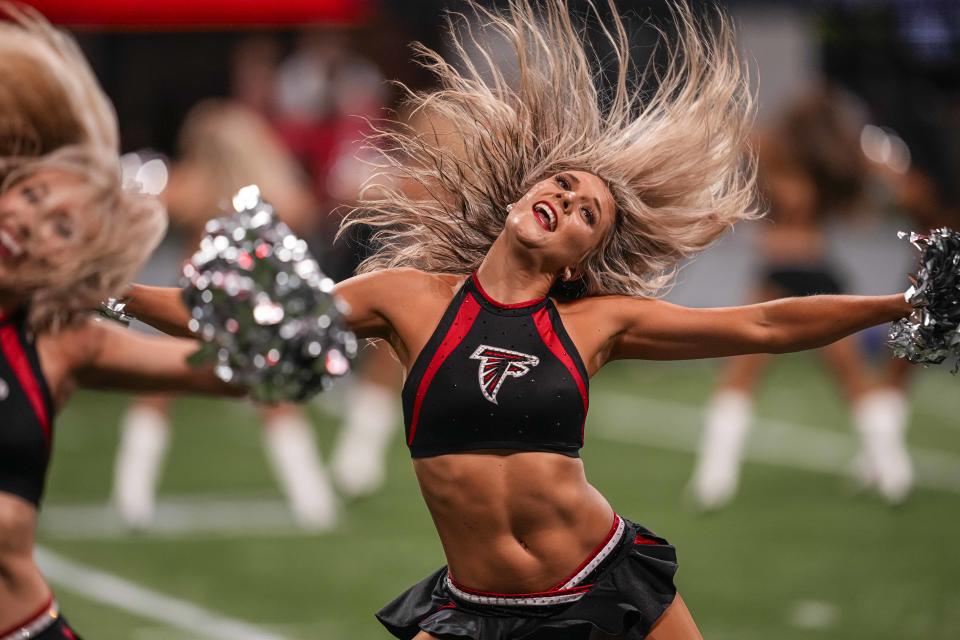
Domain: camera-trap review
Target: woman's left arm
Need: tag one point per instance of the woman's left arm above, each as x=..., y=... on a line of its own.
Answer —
x=106, y=356
x=657, y=330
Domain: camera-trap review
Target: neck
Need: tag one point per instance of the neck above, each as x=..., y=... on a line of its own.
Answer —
x=510, y=279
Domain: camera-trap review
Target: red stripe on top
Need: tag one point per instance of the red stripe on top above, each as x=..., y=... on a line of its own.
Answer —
x=502, y=305
x=13, y=350
x=466, y=314
x=541, y=318
x=42, y=611
x=593, y=554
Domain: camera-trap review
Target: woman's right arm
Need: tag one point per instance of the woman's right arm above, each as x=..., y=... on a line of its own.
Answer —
x=374, y=301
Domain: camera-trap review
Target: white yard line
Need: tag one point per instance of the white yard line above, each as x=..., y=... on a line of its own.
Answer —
x=614, y=416
x=98, y=586
x=622, y=417
x=176, y=517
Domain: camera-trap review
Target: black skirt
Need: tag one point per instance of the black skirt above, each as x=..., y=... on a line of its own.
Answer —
x=624, y=596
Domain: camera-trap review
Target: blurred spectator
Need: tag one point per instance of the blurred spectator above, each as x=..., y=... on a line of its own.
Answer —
x=812, y=167
x=224, y=146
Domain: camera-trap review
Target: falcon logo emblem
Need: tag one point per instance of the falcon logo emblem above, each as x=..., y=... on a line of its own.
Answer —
x=497, y=364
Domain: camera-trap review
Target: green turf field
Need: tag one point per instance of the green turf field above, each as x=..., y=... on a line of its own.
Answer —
x=796, y=556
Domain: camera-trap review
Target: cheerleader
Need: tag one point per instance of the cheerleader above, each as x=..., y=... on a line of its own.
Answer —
x=530, y=263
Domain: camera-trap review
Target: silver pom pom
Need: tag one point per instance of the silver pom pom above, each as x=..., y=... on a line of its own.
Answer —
x=932, y=332
x=263, y=308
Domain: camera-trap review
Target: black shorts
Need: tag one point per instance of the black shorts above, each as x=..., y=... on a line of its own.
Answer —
x=804, y=280
x=623, y=595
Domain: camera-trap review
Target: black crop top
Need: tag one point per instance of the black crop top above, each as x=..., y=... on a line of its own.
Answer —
x=26, y=412
x=496, y=376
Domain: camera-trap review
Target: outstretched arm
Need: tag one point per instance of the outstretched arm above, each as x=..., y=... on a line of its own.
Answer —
x=160, y=307
x=373, y=300
x=657, y=330
x=106, y=356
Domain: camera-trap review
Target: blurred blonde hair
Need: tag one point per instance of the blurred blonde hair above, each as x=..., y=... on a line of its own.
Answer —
x=49, y=96
x=674, y=158
x=55, y=116
x=129, y=225
x=227, y=146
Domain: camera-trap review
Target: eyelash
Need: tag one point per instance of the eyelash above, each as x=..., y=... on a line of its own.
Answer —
x=587, y=213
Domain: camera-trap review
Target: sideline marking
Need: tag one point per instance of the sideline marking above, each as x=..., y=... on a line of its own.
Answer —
x=194, y=516
x=99, y=586
x=676, y=426
x=652, y=423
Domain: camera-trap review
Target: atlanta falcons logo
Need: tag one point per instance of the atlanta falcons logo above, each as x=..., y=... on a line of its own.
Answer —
x=497, y=364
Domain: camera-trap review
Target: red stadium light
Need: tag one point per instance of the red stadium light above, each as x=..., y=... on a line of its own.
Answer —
x=196, y=14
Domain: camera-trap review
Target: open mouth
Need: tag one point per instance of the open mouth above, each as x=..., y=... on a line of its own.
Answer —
x=10, y=249
x=545, y=215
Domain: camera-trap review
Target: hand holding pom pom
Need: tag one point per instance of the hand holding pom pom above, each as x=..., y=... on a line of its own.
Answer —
x=932, y=333
x=263, y=308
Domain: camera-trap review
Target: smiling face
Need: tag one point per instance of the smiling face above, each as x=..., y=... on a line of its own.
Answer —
x=41, y=227
x=564, y=218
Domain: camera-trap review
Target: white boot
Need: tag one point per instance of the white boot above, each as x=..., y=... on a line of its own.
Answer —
x=717, y=471
x=880, y=418
x=359, y=459
x=144, y=438
x=292, y=452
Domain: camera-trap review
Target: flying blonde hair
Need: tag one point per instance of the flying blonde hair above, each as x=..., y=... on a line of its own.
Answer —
x=674, y=159
x=54, y=116
x=49, y=96
x=128, y=224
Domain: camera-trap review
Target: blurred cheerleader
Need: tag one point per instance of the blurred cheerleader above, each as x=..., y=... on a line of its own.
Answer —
x=70, y=236
x=811, y=167
x=225, y=146
x=560, y=186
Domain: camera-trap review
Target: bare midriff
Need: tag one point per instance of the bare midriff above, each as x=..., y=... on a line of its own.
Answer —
x=513, y=522
x=22, y=589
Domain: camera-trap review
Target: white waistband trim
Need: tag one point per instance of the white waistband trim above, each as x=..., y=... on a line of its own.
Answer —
x=35, y=626
x=546, y=598
x=597, y=559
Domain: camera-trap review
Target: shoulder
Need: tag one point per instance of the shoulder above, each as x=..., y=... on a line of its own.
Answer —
x=614, y=308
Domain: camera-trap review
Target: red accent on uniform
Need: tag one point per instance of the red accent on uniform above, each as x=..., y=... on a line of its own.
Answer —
x=642, y=539
x=13, y=350
x=68, y=634
x=593, y=554
x=502, y=305
x=42, y=611
x=541, y=318
x=466, y=314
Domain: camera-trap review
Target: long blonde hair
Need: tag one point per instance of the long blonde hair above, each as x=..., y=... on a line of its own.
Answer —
x=55, y=116
x=49, y=96
x=674, y=159
x=129, y=225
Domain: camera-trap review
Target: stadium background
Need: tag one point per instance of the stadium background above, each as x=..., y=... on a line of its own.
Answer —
x=797, y=555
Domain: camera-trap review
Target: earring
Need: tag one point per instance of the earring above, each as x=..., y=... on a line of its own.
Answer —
x=567, y=274
x=509, y=207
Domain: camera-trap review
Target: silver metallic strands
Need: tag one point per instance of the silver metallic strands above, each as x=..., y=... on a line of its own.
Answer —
x=932, y=332
x=262, y=306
